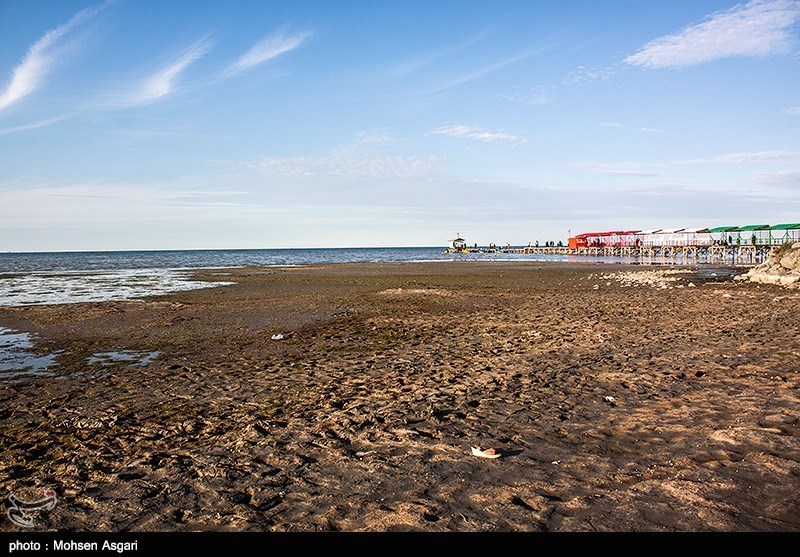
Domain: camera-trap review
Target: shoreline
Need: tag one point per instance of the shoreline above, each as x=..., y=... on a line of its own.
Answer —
x=614, y=406
x=80, y=286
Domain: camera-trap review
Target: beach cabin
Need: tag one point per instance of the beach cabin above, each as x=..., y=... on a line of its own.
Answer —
x=696, y=237
x=751, y=235
x=783, y=233
x=670, y=237
x=628, y=238
x=719, y=234
x=647, y=237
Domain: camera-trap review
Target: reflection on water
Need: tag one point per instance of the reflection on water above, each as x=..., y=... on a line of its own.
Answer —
x=130, y=357
x=75, y=287
x=18, y=360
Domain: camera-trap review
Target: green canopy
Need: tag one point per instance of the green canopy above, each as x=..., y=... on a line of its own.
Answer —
x=721, y=229
x=790, y=226
x=751, y=227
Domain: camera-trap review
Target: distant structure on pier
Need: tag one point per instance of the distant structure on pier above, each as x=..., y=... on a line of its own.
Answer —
x=457, y=245
x=751, y=243
x=751, y=234
x=748, y=244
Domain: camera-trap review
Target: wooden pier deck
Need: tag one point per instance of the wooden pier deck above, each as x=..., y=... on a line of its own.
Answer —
x=735, y=255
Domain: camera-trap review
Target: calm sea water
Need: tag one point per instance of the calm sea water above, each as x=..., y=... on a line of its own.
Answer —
x=194, y=259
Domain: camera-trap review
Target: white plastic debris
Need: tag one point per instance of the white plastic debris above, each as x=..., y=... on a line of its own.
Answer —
x=488, y=453
x=277, y=337
x=609, y=399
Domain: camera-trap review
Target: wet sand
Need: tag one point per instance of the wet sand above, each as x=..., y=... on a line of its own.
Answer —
x=616, y=405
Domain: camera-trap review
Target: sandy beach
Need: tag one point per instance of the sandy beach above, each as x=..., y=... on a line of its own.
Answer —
x=348, y=397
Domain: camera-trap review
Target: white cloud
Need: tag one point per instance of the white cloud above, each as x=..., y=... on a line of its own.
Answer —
x=32, y=125
x=351, y=162
x=625, y=169
x=794, y=111
x=378, y=137
x=162, y=83
x=479, y=134
x=40, y=59
x=92, y=204
x=268, y=48
x=789, y=179
x=758, y=28
x=478, y=73
x=414, y=64
x=534, y=96
x=759, y=156
x=582, y=74
x=650, y=130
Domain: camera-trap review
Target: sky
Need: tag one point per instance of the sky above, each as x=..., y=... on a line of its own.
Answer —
x=177, y=124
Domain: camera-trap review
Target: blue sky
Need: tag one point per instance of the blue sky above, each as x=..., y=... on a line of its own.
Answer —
x=143, y=124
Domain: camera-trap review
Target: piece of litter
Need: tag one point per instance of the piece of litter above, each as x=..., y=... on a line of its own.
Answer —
x=726, y=296
x=556, y=462
x=277, y=337
x=609, y=399
x=488, y=453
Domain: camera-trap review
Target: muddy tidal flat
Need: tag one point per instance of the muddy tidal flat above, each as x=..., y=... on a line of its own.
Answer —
x=349, y=397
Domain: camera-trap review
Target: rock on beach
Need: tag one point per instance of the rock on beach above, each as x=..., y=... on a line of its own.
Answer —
x=782, y=268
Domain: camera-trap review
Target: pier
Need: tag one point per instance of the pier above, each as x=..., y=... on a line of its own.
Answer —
x=736, y=255
x=727, y=245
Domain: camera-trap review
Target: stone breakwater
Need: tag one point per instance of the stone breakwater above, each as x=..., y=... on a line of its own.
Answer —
x=782, y=268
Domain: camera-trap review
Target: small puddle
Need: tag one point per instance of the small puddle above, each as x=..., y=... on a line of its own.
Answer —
x=702, y=275
x=20, y=361
x=130, y=357
x=17, y=359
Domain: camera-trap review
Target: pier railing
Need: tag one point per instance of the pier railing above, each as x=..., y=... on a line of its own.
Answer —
x=736, y=255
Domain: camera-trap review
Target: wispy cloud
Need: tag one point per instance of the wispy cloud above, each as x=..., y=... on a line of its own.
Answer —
x=624, y=169
x=378, y=137
x=40, y=59
x=478, y=73
x=142, y=204
x=412, y=65
x=533, y=96
x=758, y=28
x=583, y=74
x=479, y=134
x=268, y=48
x=781, y=182
x=794, y=111
x=617, y=125
x=163, y=82
x=32, y=125
x=352, y=162
x=758, y=156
